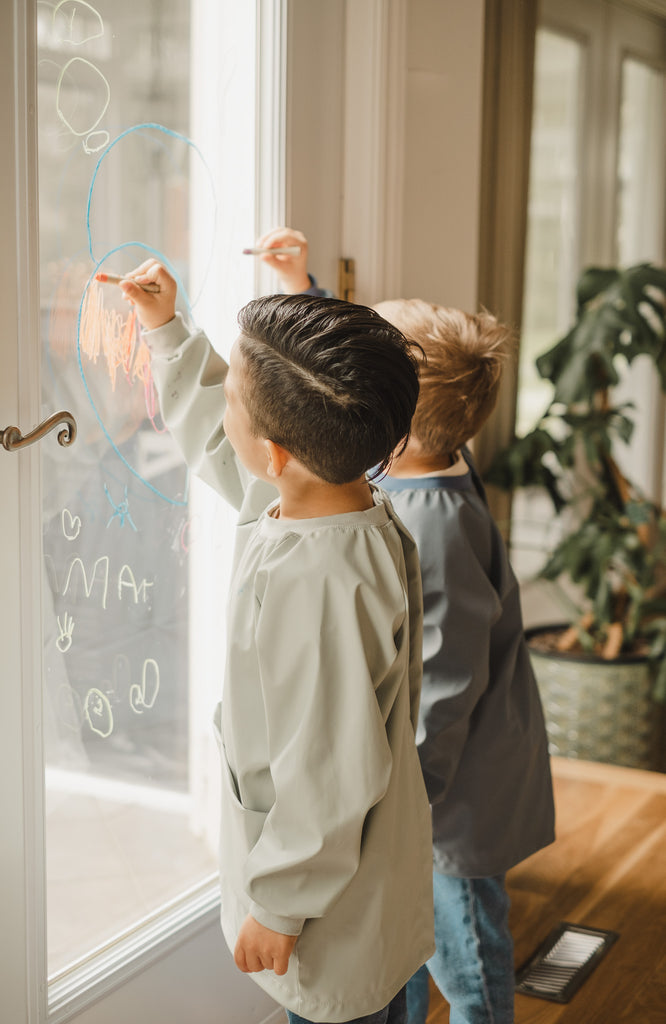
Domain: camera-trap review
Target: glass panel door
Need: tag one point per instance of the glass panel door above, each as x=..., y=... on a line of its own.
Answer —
x=596, y=196
x=641, y=163
x=130, y=165
x=552, y=255
x=553, y=232
x=641, y=208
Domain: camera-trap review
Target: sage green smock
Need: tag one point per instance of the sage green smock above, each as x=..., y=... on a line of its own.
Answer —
x=325, y=823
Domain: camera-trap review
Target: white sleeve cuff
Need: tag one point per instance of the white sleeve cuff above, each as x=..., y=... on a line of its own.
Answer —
x=168, y=338
x=283, y=925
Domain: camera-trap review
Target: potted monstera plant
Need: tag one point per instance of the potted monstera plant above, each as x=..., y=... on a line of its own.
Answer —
x=602, y=674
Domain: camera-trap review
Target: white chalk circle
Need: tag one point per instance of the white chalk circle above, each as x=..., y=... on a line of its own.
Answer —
x=85, y=93
x=96, y=141
x=80, y=22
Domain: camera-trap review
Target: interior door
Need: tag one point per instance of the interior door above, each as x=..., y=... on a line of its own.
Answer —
x=596, y=198
x=137, y=121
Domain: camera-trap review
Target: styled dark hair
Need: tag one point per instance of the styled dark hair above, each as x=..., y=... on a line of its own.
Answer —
x=330, y=381
x=460, y=376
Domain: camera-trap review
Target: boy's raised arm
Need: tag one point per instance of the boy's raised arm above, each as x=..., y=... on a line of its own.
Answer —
x=292, y=269
x=189, y=377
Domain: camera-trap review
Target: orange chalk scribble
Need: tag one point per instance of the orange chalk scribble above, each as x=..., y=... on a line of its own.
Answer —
x=116, y=338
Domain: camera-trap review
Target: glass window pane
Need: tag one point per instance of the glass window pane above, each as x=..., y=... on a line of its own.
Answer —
x=642, y=147
x=553, y=211
x=129, y=157
x=640, y=237
x=552, y=258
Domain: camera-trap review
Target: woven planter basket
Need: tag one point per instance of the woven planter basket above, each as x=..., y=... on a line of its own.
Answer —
x=600, y=710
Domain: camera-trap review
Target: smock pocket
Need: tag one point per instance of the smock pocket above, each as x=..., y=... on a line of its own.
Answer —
x=243, y=825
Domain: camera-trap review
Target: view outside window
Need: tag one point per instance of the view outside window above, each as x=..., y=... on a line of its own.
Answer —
x=552, y=252
x=562, y=204
x=130, y=760
x=552, y=257
x=640, y=238
x=641, y=198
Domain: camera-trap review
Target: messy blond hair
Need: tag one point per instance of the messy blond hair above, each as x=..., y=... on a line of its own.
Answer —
x=460, y=375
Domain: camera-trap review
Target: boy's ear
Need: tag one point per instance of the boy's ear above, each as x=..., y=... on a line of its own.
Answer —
x=278, y=457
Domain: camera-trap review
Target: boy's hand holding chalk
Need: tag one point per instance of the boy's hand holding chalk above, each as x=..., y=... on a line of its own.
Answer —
x=148, y=286
x=278, y=250
x=290, y=260
x=152, y=290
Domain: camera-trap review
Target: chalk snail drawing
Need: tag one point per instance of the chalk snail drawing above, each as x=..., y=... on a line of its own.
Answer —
x=98, y=713
x=96, y=707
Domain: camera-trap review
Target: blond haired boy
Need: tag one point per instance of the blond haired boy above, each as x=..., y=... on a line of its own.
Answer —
x=481, y=736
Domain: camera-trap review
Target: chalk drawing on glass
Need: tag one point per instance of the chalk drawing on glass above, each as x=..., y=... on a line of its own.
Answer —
x=71, y=524
x=143, y=697
x=98, y=713
x=121, y=510
x=66, y=627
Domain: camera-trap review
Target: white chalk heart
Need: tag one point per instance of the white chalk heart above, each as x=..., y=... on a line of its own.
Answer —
x=71, y=525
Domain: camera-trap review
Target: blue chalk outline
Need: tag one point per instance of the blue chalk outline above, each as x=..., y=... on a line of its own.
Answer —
x=146, y=248
x=149, y=250
x=174, y=135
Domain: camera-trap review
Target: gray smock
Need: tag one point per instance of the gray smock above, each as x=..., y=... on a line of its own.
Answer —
x=325, y=823
x=481, y=736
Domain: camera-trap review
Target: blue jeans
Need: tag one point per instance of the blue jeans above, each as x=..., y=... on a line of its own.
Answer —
x=394, y=1013
x=473, y=962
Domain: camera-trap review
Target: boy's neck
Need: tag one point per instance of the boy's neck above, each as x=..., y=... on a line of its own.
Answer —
x=415, y=463
x=313, y=498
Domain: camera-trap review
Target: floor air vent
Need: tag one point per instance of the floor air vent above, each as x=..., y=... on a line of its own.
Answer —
x=563, y=961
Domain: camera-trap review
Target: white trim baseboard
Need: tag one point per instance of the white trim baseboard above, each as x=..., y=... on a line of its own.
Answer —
x=109, y=967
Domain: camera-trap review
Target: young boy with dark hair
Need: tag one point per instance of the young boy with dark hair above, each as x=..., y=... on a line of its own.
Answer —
x=326, y=855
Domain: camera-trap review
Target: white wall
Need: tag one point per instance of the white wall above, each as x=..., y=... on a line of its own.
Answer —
x=204, y=996
x=443, y=151
x=440, y=77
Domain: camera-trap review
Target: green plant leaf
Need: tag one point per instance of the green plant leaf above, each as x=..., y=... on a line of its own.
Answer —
x=592, y=282
x=614, y=547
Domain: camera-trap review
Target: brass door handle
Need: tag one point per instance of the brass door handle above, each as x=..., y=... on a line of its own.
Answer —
x=12, y=439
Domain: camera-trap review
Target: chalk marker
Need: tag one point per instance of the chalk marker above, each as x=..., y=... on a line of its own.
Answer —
x=149, y=286
x=278, y=250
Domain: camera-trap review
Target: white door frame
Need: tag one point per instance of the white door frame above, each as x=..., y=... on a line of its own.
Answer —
x=374, y=132
x=22, y=937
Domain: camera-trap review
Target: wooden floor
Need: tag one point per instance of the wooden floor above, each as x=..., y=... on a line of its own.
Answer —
x=607, y=869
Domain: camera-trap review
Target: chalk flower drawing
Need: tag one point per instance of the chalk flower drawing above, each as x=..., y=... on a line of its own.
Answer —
x=66, y=627
x=120, y=511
